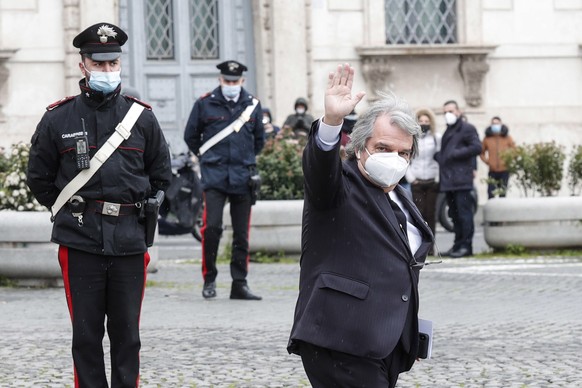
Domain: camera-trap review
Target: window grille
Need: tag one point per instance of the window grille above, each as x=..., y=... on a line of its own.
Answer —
x=159, y=29
x=204, y=29
x=421, y=21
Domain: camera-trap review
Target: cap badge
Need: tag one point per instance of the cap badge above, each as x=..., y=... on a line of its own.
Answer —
x=232, y=66
x=104, y=32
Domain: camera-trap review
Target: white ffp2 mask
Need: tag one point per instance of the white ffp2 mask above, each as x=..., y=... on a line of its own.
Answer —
x=385, y=168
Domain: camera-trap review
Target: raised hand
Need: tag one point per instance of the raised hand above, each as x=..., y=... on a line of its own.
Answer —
x=339, y=101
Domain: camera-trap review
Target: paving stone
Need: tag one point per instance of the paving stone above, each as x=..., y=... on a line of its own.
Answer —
x=498, y=323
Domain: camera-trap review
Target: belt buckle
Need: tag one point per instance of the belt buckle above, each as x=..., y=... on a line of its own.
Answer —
x=111, y=209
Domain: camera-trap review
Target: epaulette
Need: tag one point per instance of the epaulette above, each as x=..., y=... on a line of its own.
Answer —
x=132, y=98
x=202, y=97
x=60, y=102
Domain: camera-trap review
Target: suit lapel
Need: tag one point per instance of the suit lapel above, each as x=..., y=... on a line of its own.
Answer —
x=392, y=220
x=419, y=222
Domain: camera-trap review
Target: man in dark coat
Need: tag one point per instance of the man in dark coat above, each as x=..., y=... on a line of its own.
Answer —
x=363, y=244
x=226, y=169
x=459, y=148
x=101, y=237
x=300, y=121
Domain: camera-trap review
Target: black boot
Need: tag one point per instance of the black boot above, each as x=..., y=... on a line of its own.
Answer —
x=209, y=290
x=241, y=290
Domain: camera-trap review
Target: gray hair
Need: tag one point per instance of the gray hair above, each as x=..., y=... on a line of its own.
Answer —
x=400, y=115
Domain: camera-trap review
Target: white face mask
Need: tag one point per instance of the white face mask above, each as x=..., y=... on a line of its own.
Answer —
x=385, y=168
x=300, y=111
x=104, y=81
x=450, y=118
x=230, y=91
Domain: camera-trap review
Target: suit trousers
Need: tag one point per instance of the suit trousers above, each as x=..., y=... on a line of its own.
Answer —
x=328, y=368
x=240, y=213
x=461, y=211
x=99, y=287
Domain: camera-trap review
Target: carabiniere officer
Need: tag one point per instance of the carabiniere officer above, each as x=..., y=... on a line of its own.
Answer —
x=102, y=249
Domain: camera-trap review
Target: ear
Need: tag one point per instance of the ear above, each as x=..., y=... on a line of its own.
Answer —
x=82, y=68
x=358, y=154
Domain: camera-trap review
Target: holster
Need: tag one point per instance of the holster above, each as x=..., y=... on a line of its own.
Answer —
x=255, y=186
x=151, y=210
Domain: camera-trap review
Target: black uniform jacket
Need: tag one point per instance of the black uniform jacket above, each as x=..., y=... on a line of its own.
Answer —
x=358, y=285
x=139, y=167
x=226, y=165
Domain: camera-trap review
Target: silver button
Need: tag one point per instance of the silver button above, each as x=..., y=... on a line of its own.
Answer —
x=405, y=298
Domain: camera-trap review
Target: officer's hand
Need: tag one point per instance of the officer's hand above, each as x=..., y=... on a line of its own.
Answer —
x=339, y=101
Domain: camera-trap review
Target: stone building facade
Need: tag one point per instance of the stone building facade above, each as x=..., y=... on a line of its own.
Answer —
x=518, y=59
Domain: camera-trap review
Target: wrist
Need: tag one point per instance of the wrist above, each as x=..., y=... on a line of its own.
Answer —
x=332, y=121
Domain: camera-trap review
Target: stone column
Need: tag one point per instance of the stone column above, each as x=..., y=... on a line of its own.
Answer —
x=71, y=27
x=4, y=74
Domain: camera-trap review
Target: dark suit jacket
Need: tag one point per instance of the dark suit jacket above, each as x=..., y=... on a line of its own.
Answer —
x=460, y=145
x=358, y=286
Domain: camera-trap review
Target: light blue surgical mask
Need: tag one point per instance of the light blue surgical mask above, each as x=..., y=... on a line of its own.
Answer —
x=496, y=128
x=104, y=81
x=230, y=91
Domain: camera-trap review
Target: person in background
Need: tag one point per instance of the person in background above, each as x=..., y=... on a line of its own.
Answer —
x=347, y=128
x=227, y=168
x=300, y=121
x=497, y=140
x=423, y=172
x=102, y=242
x=363, y=245
x=460, y=145
x=271, y=130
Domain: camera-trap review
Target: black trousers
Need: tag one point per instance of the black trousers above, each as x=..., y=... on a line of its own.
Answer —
x=97, y=287
x=497, y=183
x=240, y=213
x=461, y=211
x=327, y=368
x=425, y=195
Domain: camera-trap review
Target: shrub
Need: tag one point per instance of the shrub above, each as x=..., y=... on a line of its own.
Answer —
x=537, y=167
x=14, y=193
x=520, y=164
x=575, y=170
x=280, y=168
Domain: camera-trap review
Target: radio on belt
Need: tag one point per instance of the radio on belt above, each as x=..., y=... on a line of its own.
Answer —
x=82, y=148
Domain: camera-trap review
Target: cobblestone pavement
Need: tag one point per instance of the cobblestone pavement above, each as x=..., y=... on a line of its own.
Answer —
x=498, y=323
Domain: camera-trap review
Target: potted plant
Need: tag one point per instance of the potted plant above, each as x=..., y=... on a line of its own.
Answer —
x=540, y=219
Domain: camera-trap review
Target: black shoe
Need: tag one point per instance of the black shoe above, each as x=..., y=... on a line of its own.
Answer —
x=209, y=290
x=448, y=253
x=242, y=291
x=461, y=252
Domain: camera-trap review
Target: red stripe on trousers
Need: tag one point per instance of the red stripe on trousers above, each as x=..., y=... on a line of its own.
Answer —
x=64, y=263
x=146, y=261
x=249, y=240
x=202, y=233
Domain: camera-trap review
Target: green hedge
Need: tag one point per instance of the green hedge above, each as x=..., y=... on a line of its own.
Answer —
x=539, y=168
x=279, y=165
